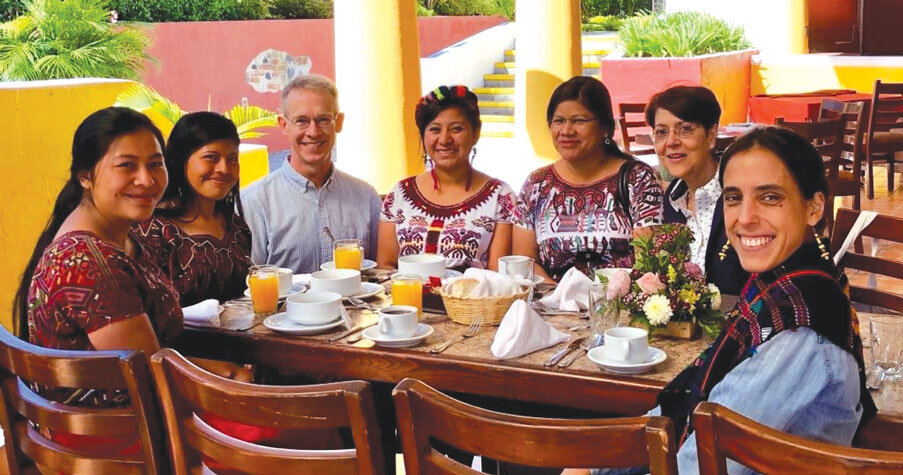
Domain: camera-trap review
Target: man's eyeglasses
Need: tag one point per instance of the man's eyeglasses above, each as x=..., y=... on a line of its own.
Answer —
x=683, y=130
x=323, y=122
x=577, y=122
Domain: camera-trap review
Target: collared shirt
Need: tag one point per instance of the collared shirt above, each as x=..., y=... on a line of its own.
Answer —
x=700, y=222
x=288, y=216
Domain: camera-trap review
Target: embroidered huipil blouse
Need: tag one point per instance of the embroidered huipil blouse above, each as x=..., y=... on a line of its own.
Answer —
x=462, y=232
x=706, y=200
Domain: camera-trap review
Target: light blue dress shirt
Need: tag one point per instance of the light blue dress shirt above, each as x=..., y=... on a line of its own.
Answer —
x=288, y=215
x=798, y=382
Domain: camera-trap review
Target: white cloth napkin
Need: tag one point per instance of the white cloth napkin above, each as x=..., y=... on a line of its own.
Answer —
x=489, y=284
x=572, y=293
x=203, y=313
x=862, y=221
x=523, y=331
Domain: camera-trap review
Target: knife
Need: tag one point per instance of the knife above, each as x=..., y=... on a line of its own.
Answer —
x=353, y=329
x=571, y=346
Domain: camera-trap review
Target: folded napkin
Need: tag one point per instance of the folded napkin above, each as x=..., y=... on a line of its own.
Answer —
x=487, y=284
x=523, y=331
x=571, y=294
x=204, y=313
x=863, y=221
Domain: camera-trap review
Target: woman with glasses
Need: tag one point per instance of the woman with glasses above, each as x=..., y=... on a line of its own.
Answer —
x=684, y=121
x=583, y=210
x=452, y=209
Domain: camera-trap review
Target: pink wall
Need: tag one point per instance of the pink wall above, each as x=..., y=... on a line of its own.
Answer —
x=202, y=61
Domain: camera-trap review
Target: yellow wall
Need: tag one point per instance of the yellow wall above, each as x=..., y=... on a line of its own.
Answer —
x=806, y=73
x=39, y=119
x=254, y=162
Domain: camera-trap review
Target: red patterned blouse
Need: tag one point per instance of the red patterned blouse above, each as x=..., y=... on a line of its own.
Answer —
x=200, y=266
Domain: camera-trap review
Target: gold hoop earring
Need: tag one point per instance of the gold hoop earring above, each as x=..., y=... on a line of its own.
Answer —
x=821, y=246
x=723, y=253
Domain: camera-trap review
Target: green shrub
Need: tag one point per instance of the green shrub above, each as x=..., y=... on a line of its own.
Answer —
x=471, y=7
x=423, y=11
x=10, y=9
x=301, y=8
x=622, y=8
x=57, y=39
x=190, y=10
x=679, y=34
x=603, y=23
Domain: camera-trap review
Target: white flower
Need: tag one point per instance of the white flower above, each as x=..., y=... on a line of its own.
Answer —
x=716, y=295
x=658, y=309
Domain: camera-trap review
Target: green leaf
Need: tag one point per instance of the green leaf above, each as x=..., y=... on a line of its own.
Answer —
x=249, y=118
x=141, y=97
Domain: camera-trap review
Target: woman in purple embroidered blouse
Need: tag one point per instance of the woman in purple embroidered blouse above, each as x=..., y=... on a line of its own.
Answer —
x=199, y=239
x=452, y=210
x=574, y=212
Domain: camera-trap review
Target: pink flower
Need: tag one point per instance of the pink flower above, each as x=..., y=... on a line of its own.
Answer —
x=693, y=270
x=650, y=283
x=618, y=285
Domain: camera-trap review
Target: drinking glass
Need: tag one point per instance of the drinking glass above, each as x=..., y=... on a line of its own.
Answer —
x=264, y=284
x=407, y=289
x=887, y=344
x=347, y=254
x=603, y=313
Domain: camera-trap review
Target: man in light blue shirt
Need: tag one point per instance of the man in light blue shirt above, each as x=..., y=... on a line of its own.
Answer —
x=297, y=210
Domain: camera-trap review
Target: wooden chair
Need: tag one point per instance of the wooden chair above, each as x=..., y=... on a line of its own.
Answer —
x=139, y=420
x=631, y=121
x=884, y=136
x=855, y=118
x=722, y=434
x=883, y=227
x=186, y=389
x=827, y=136
x=425, y=414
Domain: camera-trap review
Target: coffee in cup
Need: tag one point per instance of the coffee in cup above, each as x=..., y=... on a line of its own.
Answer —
x=626, y=345
x=398, y=321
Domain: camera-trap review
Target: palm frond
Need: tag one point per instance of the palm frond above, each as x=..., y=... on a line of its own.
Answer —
x=250, y=118
x=141, y=98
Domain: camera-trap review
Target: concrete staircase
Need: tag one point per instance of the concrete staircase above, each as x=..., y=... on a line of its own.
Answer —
x=497, y=94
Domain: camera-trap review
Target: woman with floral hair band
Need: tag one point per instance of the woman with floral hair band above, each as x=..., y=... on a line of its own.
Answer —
x=451, y=209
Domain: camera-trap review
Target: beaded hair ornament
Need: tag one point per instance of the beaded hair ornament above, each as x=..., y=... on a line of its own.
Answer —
x=436, y=97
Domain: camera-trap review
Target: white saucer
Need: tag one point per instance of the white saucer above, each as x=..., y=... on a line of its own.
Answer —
x=538, y=279
x=368, y=289
x=281, y=323
x=423, y=331
x=367, y=264
x=449, y=274
x=297, y=288
x=597, y=356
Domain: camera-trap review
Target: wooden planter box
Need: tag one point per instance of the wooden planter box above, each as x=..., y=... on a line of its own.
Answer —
x=678, y=330
x=726, y=74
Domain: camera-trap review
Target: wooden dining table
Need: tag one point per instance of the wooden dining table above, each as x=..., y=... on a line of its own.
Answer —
x=468, y=367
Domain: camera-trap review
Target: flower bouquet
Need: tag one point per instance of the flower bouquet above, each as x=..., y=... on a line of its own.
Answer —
x=664, y=285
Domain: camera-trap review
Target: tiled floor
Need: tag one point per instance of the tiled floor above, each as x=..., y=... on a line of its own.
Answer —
x=884, y=203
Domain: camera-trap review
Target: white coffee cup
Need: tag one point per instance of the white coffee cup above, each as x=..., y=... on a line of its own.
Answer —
x=285, y=280
x=398, y=321
x=516, y=266
x=424, y=265
x=346, y=282
x=626, y=345
x=313, y=308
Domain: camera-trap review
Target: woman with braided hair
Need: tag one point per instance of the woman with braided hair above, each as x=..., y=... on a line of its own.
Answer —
x=451, y=209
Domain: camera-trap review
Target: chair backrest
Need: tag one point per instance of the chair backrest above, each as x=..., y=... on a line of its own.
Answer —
x=722, y=434
x=883, y=227
x=631, y=120
x=186, y=390
x=425, y=414
x=887, y=108
x=23, y=365
x=855, y=116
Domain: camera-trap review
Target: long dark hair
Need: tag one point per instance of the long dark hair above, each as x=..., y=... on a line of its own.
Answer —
x=190, y=133
x=594, y=96
x=91, y=142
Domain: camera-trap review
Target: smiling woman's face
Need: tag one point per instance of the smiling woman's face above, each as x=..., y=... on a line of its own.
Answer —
x=765, y=213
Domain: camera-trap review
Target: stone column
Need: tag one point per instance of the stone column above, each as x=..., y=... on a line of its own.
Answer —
x=378, y=76
x=797, y=27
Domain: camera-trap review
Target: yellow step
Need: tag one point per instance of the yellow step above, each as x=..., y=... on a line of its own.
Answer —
x=592, y=64
x=496, y=103
x=499, y=77
x=505, y=64
x=507, y=119
x=498, y=133
x=493, y=90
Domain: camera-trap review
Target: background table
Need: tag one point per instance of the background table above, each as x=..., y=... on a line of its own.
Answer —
x=765, y=109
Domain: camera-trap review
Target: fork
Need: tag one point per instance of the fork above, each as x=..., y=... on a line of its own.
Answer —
x=470, y=331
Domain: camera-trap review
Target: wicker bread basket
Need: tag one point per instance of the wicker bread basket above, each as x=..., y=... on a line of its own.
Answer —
x=465, y=310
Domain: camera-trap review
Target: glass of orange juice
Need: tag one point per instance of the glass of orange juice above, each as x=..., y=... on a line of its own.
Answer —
x=347, y=254
x=407, y=289
x=264, y=284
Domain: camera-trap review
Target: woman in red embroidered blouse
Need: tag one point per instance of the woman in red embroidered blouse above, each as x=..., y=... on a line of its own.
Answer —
x=452, y=210
x=88, y=286
x=199, y=240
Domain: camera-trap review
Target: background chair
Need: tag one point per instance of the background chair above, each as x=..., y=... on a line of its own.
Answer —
x=722, y=434
x=186, y=390
x=885, y=131
x=426, y=415
x=883, y=227
x=632, y=122
x=827, y=137
x=99, y=370
x=855, y=119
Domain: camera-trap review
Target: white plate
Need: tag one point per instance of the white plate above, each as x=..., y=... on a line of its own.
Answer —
x=297, y=288
x=281, y=323
x=597, y=356
x=368, y=289
x=366, y=265
x=449, y=274
x=423, y=331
